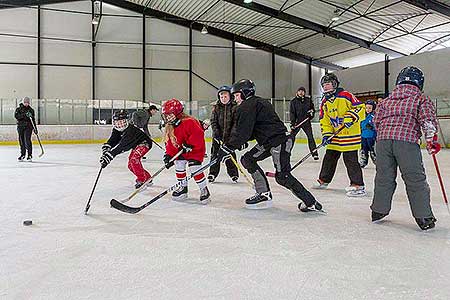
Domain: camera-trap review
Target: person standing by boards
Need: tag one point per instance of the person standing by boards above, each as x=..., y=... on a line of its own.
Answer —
x=24, y=115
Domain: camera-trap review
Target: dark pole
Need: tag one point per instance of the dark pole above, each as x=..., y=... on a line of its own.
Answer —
x=190, y=69
x=233, y=60
x=273, y=73
x=386, y=75
x=93, y=54
x=39, y=61
x=310, y=79
x=143, y=57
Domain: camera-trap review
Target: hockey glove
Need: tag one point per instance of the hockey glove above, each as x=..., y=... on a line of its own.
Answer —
x=167, y=163
x=224, y=153
x=326, y=139
x=106, y=148
x=187, y=148
x=349, y=119
x=433, y=146
x=106, y=158
x=28, y=114
x=310, y=113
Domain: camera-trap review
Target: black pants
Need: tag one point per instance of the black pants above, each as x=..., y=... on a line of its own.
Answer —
x=215, y=169
x=307, y=129
x=330, y=161
x=281, y=156
x=25, y=140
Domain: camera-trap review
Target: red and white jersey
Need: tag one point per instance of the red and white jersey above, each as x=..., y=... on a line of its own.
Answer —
x=190, y=132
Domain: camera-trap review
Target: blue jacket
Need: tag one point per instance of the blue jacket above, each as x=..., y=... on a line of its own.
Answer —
x=368, y=127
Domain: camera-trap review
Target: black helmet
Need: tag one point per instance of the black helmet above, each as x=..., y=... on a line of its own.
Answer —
x=373, y=103
x=120, y=115
x=330, y=77
x=244, y=86
x=223, y=88
x=411, y=75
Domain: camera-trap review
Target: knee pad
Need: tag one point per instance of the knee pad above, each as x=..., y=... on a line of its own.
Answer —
x=285, y=179
x=248, y=163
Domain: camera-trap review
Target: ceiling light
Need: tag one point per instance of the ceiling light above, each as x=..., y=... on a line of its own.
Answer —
x=248, y=1
x=204, y=30
x=95, y=20
x=336, y=15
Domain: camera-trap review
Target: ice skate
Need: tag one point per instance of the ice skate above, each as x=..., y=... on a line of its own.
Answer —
x=204, y=196
x=364, y=160
x=316, y=156
x=180, y=194
x=147, y=183
x=426, y=223
x=320, y=185
x=377, y=216
x=359, y=191
x=373, y=157
x=314, y=207
x=234, y=179
x=211, y=178
x=21, y=158
x=30, y=158
x=259, y=201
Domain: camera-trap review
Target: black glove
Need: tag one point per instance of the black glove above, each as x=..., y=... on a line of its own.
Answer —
x=243, y=146
x=106, y=148
x=167, y=163
x=28, y=114
x=106, y=158
x=224, y=153
x=310, y=113
x=187, y=148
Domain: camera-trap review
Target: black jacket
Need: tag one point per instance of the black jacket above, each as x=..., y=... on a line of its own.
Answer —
x=299, y=108
x=21, y=116
x=121, y=141
x=223, y=119
x=256, y=119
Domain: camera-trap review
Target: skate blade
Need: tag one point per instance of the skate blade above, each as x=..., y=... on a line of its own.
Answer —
x=180, y=198
x=308, y=210
x=206, y=201
x=261, y=205
x=356, y=195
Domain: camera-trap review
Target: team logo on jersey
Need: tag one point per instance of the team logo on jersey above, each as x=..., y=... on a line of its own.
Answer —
x=336, y=122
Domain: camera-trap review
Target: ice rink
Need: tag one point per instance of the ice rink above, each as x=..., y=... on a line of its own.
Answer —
x=174, y=250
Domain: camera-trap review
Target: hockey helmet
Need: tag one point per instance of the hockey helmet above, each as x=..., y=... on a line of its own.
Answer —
x=171, y=111
x=411, y=75
x=244, y=86
x=120, y=120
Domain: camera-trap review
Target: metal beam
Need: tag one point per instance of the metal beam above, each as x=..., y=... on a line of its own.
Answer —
x=22, y=3
x=190, y=70
x=432, y=5
x=262, y=9
x=38, y=68
x=223, y=34
x=386, y=75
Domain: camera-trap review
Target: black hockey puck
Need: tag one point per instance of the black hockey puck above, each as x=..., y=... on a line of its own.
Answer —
x=27, y=222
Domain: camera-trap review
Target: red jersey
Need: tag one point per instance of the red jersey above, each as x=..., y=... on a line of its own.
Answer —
x=190, y=132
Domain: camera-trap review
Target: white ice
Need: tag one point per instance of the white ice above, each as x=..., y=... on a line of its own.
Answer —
x=174, y=250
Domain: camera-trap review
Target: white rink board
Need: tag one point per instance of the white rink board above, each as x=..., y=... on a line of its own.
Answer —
x=174, y=250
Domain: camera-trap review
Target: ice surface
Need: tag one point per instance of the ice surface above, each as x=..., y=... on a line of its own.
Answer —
x=174, y=250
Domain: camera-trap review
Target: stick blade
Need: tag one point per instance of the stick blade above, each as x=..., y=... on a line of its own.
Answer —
x=124, y=208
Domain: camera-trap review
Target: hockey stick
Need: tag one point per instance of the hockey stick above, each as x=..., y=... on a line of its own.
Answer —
x=159, y=146
x=39, y=140
x=272, y=174
x=88, y=204
x=440, y=182
x=299, y=124
x=144, y=185
x=133, y=210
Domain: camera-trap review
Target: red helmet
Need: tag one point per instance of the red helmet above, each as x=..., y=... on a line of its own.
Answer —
x=172, y=106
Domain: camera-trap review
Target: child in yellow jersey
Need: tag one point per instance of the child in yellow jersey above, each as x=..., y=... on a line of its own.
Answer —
x=340, y=108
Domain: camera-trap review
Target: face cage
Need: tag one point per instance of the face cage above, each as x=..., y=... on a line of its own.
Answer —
x=120, y=125
x=169, y=118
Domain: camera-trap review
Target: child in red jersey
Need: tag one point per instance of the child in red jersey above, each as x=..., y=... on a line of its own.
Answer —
x=182, y=130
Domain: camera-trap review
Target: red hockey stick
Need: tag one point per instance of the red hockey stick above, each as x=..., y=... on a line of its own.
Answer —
x=440, y=181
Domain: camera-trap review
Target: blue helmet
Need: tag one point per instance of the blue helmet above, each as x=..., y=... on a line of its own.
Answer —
x=373, y=103
x=411, y=75
x=223, y=88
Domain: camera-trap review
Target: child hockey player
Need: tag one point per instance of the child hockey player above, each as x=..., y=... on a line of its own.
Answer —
x=368, y=135
x=256, y=119
x=340, y=108
x=223, y=118
x=124, y=137
x=183, y=131
x=399, y=121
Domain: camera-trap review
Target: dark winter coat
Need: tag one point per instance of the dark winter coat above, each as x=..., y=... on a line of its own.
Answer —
x=299, y=108
x=223, y=120
x=21, y=116
x=256, y=119
x=140, y=118
x=121, y=141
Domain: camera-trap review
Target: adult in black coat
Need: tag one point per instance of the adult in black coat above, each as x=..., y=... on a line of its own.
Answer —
x=302, y=108
x=24, y=115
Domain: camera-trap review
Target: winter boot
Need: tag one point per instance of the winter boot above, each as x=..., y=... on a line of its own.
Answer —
x=259, y=201
x=180, y=194
x=426, y=223
x=359, y=191
x=373, y=157
x=314, y=207
x=211, y=178
x=363, y=160
x=377, y=216
x=205, y=195
x=320, y=185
